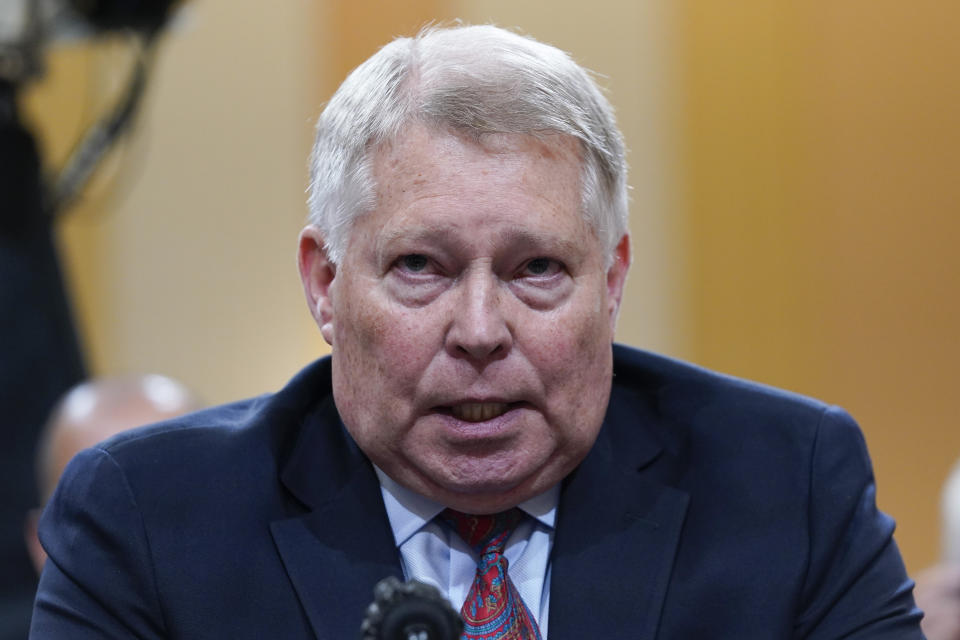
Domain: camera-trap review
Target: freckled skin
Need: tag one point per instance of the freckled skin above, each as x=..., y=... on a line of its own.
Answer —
x=505, y=300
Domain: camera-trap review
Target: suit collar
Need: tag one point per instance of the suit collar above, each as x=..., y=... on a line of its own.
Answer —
x=619, y=527
x=335, y=555
x=338, y=547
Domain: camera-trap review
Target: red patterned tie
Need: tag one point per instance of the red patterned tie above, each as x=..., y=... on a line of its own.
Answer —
x=493, y=609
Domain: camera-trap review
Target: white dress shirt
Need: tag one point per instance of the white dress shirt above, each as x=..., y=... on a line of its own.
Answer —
x=435, y=554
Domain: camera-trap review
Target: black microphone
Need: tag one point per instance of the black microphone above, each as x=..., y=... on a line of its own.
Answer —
x=409, y=611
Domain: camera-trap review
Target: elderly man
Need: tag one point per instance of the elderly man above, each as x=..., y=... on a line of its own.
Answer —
x=475, y=428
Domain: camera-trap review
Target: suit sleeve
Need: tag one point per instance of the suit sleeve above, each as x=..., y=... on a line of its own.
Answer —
x=98, y=581
x=856, y=585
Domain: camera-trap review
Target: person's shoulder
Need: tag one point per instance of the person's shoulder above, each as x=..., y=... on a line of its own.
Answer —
x=719, y=428
x=211, y=424
x=259, y=424
x=690, y=394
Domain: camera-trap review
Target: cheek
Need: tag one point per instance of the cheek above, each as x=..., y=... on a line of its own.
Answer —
x=376, y=356
x=359, y=333
x=576, y=340
x=386, y=342
x=409, y=343
x=574, y=354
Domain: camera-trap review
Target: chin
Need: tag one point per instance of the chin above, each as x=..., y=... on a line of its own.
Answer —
x=482, y=487
x=489, y=492
x=481, y=483
x=483, y=503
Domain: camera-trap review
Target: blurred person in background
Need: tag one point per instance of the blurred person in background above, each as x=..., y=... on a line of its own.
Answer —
x=938, y=587
x=91, y=413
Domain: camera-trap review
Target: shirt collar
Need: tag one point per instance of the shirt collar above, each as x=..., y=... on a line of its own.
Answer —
x=408, y=511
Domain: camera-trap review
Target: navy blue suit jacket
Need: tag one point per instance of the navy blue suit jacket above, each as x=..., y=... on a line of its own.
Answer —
x=709, y=507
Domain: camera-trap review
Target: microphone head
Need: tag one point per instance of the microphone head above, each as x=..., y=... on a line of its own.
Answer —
x=409, y=611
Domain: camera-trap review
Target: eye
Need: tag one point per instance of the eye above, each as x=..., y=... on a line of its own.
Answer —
x=541, y=267
x=414, y=262
x=416, y=279
x=542, y=283
x=538, y=266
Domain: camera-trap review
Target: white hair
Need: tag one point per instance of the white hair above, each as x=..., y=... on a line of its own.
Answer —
x=474, y=80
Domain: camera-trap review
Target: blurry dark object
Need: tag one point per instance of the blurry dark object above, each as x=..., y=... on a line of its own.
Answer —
x=28, y=27
x=409, y=611
x=100, y=136
x=143, y=15
x=41, y=355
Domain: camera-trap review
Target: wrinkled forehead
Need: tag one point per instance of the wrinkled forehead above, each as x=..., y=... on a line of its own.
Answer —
x=420, y=150
x=418, y=130
x=422, y=153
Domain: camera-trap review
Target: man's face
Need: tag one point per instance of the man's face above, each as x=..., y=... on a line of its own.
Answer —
x=472, y=318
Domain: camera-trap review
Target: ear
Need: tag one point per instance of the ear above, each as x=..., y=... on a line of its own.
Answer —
x=617, y=277
x=317, y=273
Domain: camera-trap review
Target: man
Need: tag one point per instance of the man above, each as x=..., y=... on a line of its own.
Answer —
x=91, y=412
x=465, y=260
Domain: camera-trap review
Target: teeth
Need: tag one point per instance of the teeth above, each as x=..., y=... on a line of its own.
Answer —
x=479, y=411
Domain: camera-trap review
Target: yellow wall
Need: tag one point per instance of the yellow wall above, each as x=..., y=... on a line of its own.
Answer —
x=354, y=30
x=822, y=155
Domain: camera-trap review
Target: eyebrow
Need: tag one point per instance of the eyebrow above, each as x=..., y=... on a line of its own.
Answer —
x=511, y=237
x=416, y=234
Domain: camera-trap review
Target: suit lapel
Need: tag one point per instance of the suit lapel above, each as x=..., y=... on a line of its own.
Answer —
x=617, y=533
x=343, y=545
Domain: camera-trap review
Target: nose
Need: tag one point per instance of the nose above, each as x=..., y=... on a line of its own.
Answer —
x=479, y=330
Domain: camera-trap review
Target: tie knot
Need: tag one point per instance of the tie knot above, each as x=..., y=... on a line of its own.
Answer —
x=483, y=533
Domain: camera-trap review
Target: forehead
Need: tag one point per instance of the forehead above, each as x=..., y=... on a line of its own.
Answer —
x=431, y=181
x=419, y=146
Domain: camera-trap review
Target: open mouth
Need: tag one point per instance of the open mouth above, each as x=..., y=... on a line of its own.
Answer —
x=478, y=411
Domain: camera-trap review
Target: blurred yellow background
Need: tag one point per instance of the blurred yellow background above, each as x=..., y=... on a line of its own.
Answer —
x=796, y=197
